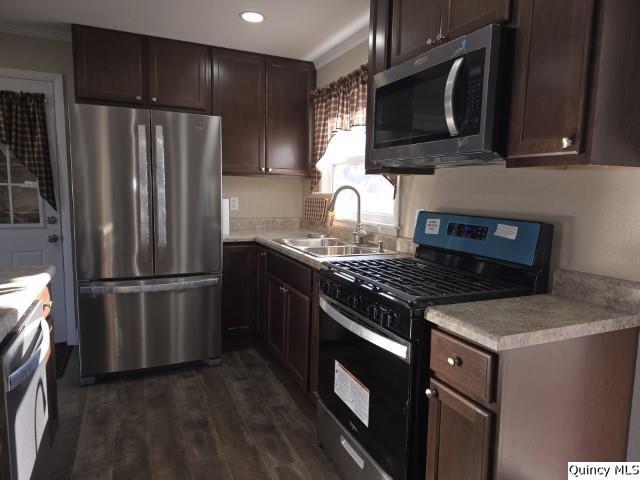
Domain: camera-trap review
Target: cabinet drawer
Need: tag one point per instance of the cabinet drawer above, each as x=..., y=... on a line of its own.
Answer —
x=463, y=366
x=291, y=272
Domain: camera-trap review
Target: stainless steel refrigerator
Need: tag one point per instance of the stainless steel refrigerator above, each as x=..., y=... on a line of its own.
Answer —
x=146, y=190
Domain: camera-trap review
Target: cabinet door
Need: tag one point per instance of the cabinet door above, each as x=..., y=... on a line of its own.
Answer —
x=380, y=11
x=276, y=313
x=289, y=84
x=238, y=294
x=108, y=66
x=239, y=98
x=460, y=17
x=179, y=75
x=298, y=331
x=261, y=316
x=553, y=48
x=459, y=436
x=314, y=343
x=415, y=22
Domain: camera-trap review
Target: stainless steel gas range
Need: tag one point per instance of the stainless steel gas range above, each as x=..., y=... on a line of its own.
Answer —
x=373, y=360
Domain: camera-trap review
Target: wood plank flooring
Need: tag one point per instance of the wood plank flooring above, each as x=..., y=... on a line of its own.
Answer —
x=234, y=422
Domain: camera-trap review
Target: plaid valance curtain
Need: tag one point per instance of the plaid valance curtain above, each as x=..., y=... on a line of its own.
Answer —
x=23, y=126
x=338, y=106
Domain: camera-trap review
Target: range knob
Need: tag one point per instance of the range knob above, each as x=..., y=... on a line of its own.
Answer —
x=337, y=293
x=372, y=312
x=354, y=301
x=389, y=319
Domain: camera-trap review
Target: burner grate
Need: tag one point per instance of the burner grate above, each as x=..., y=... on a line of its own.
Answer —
x=419, y=278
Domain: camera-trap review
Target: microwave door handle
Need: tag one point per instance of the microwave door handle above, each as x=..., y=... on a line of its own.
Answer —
x=449, y=89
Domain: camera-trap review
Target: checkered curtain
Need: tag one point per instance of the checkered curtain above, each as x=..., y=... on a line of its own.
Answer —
x=23, y=126
x=338, y=106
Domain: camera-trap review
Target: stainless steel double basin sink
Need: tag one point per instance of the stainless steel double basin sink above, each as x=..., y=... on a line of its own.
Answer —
x=329, y=247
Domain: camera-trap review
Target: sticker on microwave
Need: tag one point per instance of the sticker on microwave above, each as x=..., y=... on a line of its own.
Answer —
x=433, y=226
x=352, y=392
x=510, y=232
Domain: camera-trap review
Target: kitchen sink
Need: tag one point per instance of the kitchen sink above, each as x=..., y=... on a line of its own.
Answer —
x=329, y=247
x=341, y=251
x=313, y=242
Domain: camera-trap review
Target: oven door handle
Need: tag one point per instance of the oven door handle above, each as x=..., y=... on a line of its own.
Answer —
x=391, y=346
x=449, y=90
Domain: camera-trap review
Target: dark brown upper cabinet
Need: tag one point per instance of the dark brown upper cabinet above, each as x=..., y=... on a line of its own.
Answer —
x=415, y=26
x=109, y=66
x=575, y=98
x=120, y=68
x=418, y=25
x=460, y=17
x=179, y=75
x=550, y=77
x=239, y=98
x=288, y=116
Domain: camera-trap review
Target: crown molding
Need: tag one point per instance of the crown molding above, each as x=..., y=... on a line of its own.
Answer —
x=36, y=32
x=343, y=47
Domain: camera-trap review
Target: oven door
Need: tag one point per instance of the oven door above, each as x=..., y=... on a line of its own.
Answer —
x=365, y=380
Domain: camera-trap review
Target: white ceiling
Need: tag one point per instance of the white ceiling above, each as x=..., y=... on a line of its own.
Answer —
x=304, y=29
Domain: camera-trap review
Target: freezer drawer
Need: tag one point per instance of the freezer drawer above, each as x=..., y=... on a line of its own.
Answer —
x=130, y=325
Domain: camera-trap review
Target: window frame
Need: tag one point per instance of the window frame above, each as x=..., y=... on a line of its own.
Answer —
x=326, y=186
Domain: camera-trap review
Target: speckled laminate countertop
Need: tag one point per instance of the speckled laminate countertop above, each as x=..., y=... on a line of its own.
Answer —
x=581, y=304
x=268, y=237
x=19, y=287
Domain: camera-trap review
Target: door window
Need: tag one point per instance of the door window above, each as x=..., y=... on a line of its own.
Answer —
x=20, y=202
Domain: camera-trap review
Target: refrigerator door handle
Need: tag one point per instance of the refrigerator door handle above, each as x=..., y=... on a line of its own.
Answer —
x=106, y=288
x=143, y=190
x=161, y=187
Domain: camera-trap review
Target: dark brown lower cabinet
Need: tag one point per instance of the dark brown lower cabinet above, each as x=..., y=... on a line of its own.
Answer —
x=261, y=303
x=548, y=409
x=238, y=289
x=315, y=339
x=289, y=298
x=459, y=436
x=297, y=335
x=276, y=317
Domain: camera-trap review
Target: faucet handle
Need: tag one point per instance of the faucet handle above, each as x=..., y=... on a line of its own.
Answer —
x=380, y=247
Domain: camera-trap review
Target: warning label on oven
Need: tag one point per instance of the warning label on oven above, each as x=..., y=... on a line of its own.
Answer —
x=432, y=227
x=353, y=393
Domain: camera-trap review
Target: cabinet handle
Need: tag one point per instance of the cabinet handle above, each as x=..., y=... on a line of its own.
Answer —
x=567, y=142
x=263, y=254
x=269, y=170
x=262, y=169
x=429, y=41
x=154, y=99
x=431, y=393
x=138, y=97
x=441, y=38
x=454, y=361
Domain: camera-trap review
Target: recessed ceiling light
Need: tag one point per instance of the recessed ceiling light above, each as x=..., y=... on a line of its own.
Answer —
x=252, y=17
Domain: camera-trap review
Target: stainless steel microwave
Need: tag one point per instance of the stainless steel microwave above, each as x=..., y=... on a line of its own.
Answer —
x=446, y=107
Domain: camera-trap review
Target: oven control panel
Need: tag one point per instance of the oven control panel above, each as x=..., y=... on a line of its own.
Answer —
x=368, y=304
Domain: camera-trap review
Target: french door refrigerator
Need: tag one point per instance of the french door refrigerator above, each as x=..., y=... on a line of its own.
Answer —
x=146, y=187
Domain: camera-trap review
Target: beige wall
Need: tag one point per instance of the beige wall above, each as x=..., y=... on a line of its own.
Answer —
x=596, y=211
x=342, y=65
x=265, y=197
x=26, y=53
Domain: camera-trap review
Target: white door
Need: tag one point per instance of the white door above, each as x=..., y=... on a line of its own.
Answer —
x=30, y=229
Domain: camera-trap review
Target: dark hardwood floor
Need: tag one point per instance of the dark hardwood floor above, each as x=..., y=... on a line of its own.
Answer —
x=240, y=421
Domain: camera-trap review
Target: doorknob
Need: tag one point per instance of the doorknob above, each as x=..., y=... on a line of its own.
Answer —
x=53, y=238
x=51, y=220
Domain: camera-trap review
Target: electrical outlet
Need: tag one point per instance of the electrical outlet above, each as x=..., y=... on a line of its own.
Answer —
x=233, y=203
